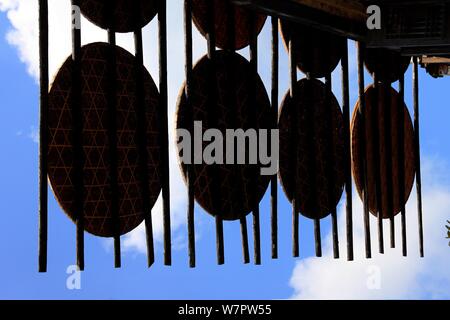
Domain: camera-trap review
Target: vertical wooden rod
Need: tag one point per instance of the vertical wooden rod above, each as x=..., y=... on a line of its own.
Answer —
x=244, y=236
x=231, y=98
x=274, y=100
x=211, y=39
x=417, y=152
x=401, y=170
x=43, y=135
x=254, y=66
x=330, y=174
x=386, y=97
x=141, y=138
x=163, y=94
x=295, y=211
x=113, y=148
x=77, y=133
x=112, y=132
x=348, y=161
x=363, y=160
x=375, y=133
x=190, y=169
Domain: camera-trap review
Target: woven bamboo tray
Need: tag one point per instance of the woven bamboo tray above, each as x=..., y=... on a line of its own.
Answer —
x=312, y=95
x=221, y=98
x=95, y=143
x=385, y=113
x=128, y=15
x=317, y=52
x=224, y=36
x=388, y=65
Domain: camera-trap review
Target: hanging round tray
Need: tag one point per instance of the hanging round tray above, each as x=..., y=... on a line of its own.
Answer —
x=298, y=148
x=222, y=98
x=127, y=15
x=317, y=52
x=95, y=143
x=386, y=112
x=388, y=65
x=223, y=13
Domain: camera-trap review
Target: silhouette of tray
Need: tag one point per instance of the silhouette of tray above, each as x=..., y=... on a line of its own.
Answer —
x=409, y=172
x=314, y=95
x=97, y=207
x=221, y=98
x=223, y=35
x=389, y=65
x=129, y=15
x=317, y=52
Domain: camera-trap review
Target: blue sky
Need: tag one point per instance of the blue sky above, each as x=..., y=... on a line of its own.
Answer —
x=280, y=279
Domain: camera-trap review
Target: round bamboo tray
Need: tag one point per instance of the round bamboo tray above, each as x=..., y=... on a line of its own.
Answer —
x=312, y=191
x=317, y=52
x=95, y=142
x=388, y=65
x=385, y=113
x=221, y=97
x=128, y=15
x=224, y=36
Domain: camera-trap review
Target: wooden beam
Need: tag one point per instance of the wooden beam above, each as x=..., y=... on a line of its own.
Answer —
x=435, y=60
x=323, y=15
x=349, y=9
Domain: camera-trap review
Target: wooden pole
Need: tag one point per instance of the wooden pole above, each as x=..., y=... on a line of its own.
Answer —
x=211, y=39
x=112, y=132
x=141, y=138
x=190, y=169
x=330, y=173
x=375, y=134
x=348, y=161
x=401, y=177
x=274, y=99
x=417, y=152
x=362, y=146
x=163, y=94
x=43, y=135
x=77, y=133
x=385, y=95
x=295, y=211
x=254, y=66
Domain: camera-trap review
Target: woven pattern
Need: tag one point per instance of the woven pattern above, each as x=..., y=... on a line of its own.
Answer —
x=128, y=15
x=224, y=37
x=317, y=52
x=385, y=113
x=315, y=96
x=97, y=206
x=388, y=65
x=225, y=90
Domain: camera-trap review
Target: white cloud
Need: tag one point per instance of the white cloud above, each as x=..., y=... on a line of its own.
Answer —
x=34, y=134
x=23, y=17
x=401, y=278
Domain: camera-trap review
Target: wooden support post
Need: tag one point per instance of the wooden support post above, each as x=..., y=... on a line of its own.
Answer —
x=163, y=94
x=417, y=152
x=274, y=100
x=43, y=135
x=77, y=133
x=363, y=160
x=348, y=161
